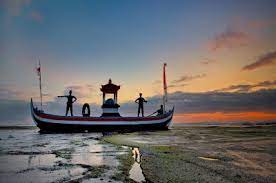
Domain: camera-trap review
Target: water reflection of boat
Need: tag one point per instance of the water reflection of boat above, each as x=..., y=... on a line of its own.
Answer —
x=110, y=120
x=136, y=172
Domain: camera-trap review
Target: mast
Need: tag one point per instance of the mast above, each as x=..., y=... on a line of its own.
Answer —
x=40, y=88
x=164, y=87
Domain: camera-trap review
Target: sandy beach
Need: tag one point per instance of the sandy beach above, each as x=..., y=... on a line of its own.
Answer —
x=182, y=154
x=205, y=154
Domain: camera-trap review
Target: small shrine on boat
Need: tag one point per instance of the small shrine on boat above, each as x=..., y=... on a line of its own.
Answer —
x=110, y=106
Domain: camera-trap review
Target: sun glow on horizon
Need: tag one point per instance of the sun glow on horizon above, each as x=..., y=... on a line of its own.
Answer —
x=250, y=116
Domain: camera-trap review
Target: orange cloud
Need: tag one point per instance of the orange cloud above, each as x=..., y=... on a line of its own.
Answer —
x=224, y=117
x=261, y=24
x=207, y=61
x=36, y=16
x=249, y=87
x=15, y=7
x=228, y=39
x=264, y=60
x=84, y=92
x=180, y=82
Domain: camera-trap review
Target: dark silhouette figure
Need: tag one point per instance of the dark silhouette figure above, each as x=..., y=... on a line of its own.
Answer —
x=140, y=102
x=70, y=100
x=159, y=111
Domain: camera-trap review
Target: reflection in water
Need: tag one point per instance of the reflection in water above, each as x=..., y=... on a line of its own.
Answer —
x=207, y=158
x=136, y=154
x=136, y=172
x=85, y=155
x=27, y=156
x=30, y=160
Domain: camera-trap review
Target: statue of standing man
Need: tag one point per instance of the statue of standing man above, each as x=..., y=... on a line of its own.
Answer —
x=70, y=100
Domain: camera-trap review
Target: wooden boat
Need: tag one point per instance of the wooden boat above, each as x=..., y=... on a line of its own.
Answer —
x=110, y=120
x=55, y=123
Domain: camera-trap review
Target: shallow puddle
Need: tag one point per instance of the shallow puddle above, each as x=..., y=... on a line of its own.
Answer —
x=27, y=156
x=207, y=158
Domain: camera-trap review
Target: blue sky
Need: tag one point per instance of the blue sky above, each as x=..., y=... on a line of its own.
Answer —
x=205, y=43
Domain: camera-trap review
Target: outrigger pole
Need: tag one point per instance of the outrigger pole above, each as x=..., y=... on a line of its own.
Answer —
x=165, y=98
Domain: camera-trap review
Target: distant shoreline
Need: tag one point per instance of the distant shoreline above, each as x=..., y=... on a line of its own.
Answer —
x=226, y=124
x=205, y=124
x=5, y=127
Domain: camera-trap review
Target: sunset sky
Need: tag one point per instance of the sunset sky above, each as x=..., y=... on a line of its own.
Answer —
x=221, y=54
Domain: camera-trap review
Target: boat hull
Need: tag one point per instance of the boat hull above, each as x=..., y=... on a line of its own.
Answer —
x=54, y=123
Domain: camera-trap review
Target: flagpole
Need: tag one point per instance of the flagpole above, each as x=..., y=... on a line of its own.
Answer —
x=40, y=86
x=164, y=87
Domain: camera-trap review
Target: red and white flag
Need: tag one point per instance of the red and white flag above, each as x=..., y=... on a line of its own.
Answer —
x=38, y=71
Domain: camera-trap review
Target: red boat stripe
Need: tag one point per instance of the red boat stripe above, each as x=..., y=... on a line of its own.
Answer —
x=103, y=119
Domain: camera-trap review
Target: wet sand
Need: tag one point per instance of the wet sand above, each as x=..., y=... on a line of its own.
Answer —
x=28, y=156
x=204, y=154
x=182, y=154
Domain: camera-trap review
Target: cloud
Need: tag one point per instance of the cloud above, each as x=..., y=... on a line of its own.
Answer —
x=180, y=82
x=263, y=60
x=156, y=82
x=248, y=87
x=228, y=39
x=80, y=91
x=36, y=16
x=14, y=112
x=207, y=61
x=236, y=88
x=12, y=92
x=243, y=23
x=17, y=112
x=176, y=85
x=210, y=102
x=185, y=103
x=266, y=84
x=188, y=78
x=223, y=101
x=15, y=7
x=261, y=24
x=8, y=91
